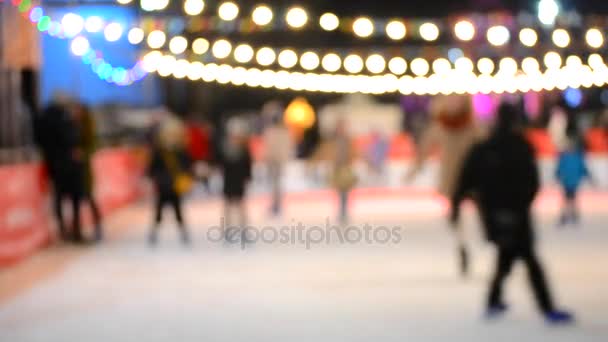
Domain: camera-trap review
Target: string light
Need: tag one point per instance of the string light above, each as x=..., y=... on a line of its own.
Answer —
x=288, y=59
x=530, y=66
x=156, y=39
x=113, y=32
x=200, y=46
x=376, y=64
x=80, y=46
x=331, y=62
x=464, y=65
x=561, y=38
x=485, y=66
x=194, y=7
x=396, y=30
x=363, y=27
x=353, y=64
x=594, y=38
x=528, y=37
x=266, y=56
x=420, y=67
x=508, y=66
x=309, y=60
x=72, y=24
x=329, y=22
x=429, y=31
x=553, y=60
x=243, y=53
x=178, y=45
x=498, y=35
x=441, y=66
x=464, y=30
x=93, y=24
x=262, y=15
x=136, y=35
x=296, y=17
x=221, y=49
x=228, y=11
x=397, y=65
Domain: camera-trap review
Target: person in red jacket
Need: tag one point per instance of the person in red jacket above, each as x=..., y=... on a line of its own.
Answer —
x=198, y=137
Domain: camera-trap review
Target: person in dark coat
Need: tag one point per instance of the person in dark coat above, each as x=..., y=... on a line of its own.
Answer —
x=502, y=175
x=82, y=182
x=236, y=165
x=56, y=136
x=169, y=161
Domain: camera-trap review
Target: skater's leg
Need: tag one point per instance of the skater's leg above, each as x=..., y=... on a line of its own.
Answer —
x=176, y=202
x=537, y=280
x=504, y=264
x=158, y=216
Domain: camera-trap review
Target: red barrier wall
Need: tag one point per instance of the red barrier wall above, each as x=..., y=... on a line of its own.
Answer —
x=25, y=221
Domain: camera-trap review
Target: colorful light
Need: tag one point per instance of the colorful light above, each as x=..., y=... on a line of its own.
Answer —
x=36, y=14
x=44, y=23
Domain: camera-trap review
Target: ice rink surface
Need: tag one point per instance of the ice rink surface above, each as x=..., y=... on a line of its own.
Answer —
x=123, y=290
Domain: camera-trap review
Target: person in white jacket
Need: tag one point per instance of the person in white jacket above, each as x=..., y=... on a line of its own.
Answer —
x=279, y=150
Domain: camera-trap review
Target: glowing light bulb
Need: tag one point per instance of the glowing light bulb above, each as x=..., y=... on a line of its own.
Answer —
x=178, y=45
x=228, y=11
x=594, y=38
x=331, y=62
x=561, y=38
x=243, y=53
x=353, y=64
x=194, y=7
x=80, y=46
x=375, y=64
x=441, y=66
x=288, y=59
x=262, y=15
x=420, y=67
x=429, y=31
x=221, y=49
x=396, y=30
x=397, y=65
x=113, y=32
x=72, y=24
x=464, y=30
x=296, y=17
x=200, y=46
x=363, y=27
x=528, y=37
x=553, y=60
x=329, y=22
x=94, y=24
x=265, y=56
x=136, y=35
x=485, y=66
x=156, y=39
x=309, y=60
x=498, y=35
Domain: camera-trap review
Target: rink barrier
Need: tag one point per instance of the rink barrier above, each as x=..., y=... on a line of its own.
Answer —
x=26, y=223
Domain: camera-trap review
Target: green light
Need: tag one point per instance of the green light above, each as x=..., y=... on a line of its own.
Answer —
x=44, y=23
x=25, y=6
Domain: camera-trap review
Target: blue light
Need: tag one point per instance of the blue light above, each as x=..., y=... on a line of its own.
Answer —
x=36, y=14
x=573, y=97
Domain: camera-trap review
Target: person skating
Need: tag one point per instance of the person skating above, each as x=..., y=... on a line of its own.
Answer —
x=169, y=169
x=502, y=174
x=571, y=172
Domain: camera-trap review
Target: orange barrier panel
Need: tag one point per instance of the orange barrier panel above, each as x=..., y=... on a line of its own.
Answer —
x=25, y=220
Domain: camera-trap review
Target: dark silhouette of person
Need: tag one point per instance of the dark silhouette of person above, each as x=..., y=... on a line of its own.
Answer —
x=81, y=189
x=56, y=136
x=502, y=175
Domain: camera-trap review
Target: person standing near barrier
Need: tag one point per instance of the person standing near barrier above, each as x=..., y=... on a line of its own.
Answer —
x=501, y=173
x=82, y=181
x=55, y=135
x=170, y=171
